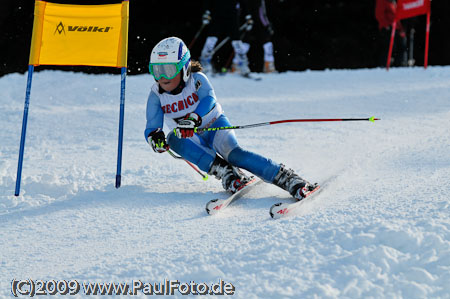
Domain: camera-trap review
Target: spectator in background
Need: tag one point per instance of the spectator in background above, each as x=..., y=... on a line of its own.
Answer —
x=385, y=15
x=224, y=22
x=263, y=31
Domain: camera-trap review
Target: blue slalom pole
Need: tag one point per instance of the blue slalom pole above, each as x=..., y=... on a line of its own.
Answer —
x=24, y=129
x=122, y=114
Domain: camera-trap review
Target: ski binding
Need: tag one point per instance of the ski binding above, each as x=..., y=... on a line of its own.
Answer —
x=281, y=210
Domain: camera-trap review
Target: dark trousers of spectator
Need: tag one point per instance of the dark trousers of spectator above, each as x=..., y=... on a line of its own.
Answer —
x=399, y=51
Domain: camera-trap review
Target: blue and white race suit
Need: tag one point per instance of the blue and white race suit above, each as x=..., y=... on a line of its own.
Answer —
x=198, y=96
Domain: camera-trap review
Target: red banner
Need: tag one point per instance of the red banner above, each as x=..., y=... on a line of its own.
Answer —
x=411, y=8
x=408, y=9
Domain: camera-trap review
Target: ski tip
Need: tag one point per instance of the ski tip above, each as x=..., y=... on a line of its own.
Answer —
x=208, y=210
x=272, y=208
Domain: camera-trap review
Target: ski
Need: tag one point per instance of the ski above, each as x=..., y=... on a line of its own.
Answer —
x=214, y=206
x=281, y=210
x=251, y=77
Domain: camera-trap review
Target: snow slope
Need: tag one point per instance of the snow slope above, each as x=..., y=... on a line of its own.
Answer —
x=381, y=228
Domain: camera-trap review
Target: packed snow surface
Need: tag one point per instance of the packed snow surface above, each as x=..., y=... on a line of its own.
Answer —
x=380, y=229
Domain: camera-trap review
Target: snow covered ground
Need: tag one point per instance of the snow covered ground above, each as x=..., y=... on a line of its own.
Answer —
x=381, y=229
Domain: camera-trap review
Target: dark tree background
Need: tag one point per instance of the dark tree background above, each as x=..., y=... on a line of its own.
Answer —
x=314, y=35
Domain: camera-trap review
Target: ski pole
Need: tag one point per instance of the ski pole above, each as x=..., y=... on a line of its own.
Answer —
x=196, y=36
x=200, y=130
x=206, y=18
x=204, y=176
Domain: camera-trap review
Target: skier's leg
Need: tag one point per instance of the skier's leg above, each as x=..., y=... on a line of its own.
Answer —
x=269, y=60
x=260, y=166
x=192, y=149
x=206, y=55
x=240, y=60
x=197, y=151
x=271, y=172
x=264, y=31
x=225, y=143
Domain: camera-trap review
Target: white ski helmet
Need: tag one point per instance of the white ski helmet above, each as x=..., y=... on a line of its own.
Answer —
x=168, y=58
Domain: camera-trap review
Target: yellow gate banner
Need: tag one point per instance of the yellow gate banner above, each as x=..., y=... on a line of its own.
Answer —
x=65, y=34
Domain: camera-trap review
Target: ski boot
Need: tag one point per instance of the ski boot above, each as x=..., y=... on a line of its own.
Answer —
x=240, y=60
x=232, y=177
x=288, y=180
x=269, y=67
x=241, y=65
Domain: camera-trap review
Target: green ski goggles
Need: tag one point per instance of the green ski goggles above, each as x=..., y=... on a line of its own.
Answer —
x=168, y=70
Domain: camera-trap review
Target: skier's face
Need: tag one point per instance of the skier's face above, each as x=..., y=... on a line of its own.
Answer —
x=169, y=85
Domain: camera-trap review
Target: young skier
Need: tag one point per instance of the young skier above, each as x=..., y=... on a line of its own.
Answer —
x=184, y=99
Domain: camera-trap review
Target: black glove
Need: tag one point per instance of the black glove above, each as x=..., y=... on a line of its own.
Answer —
x=186, y=127
x=206, y=18
x=157, y=140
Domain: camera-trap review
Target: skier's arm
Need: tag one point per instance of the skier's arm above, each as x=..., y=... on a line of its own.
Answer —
x=206, y=95
x=155, y=114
